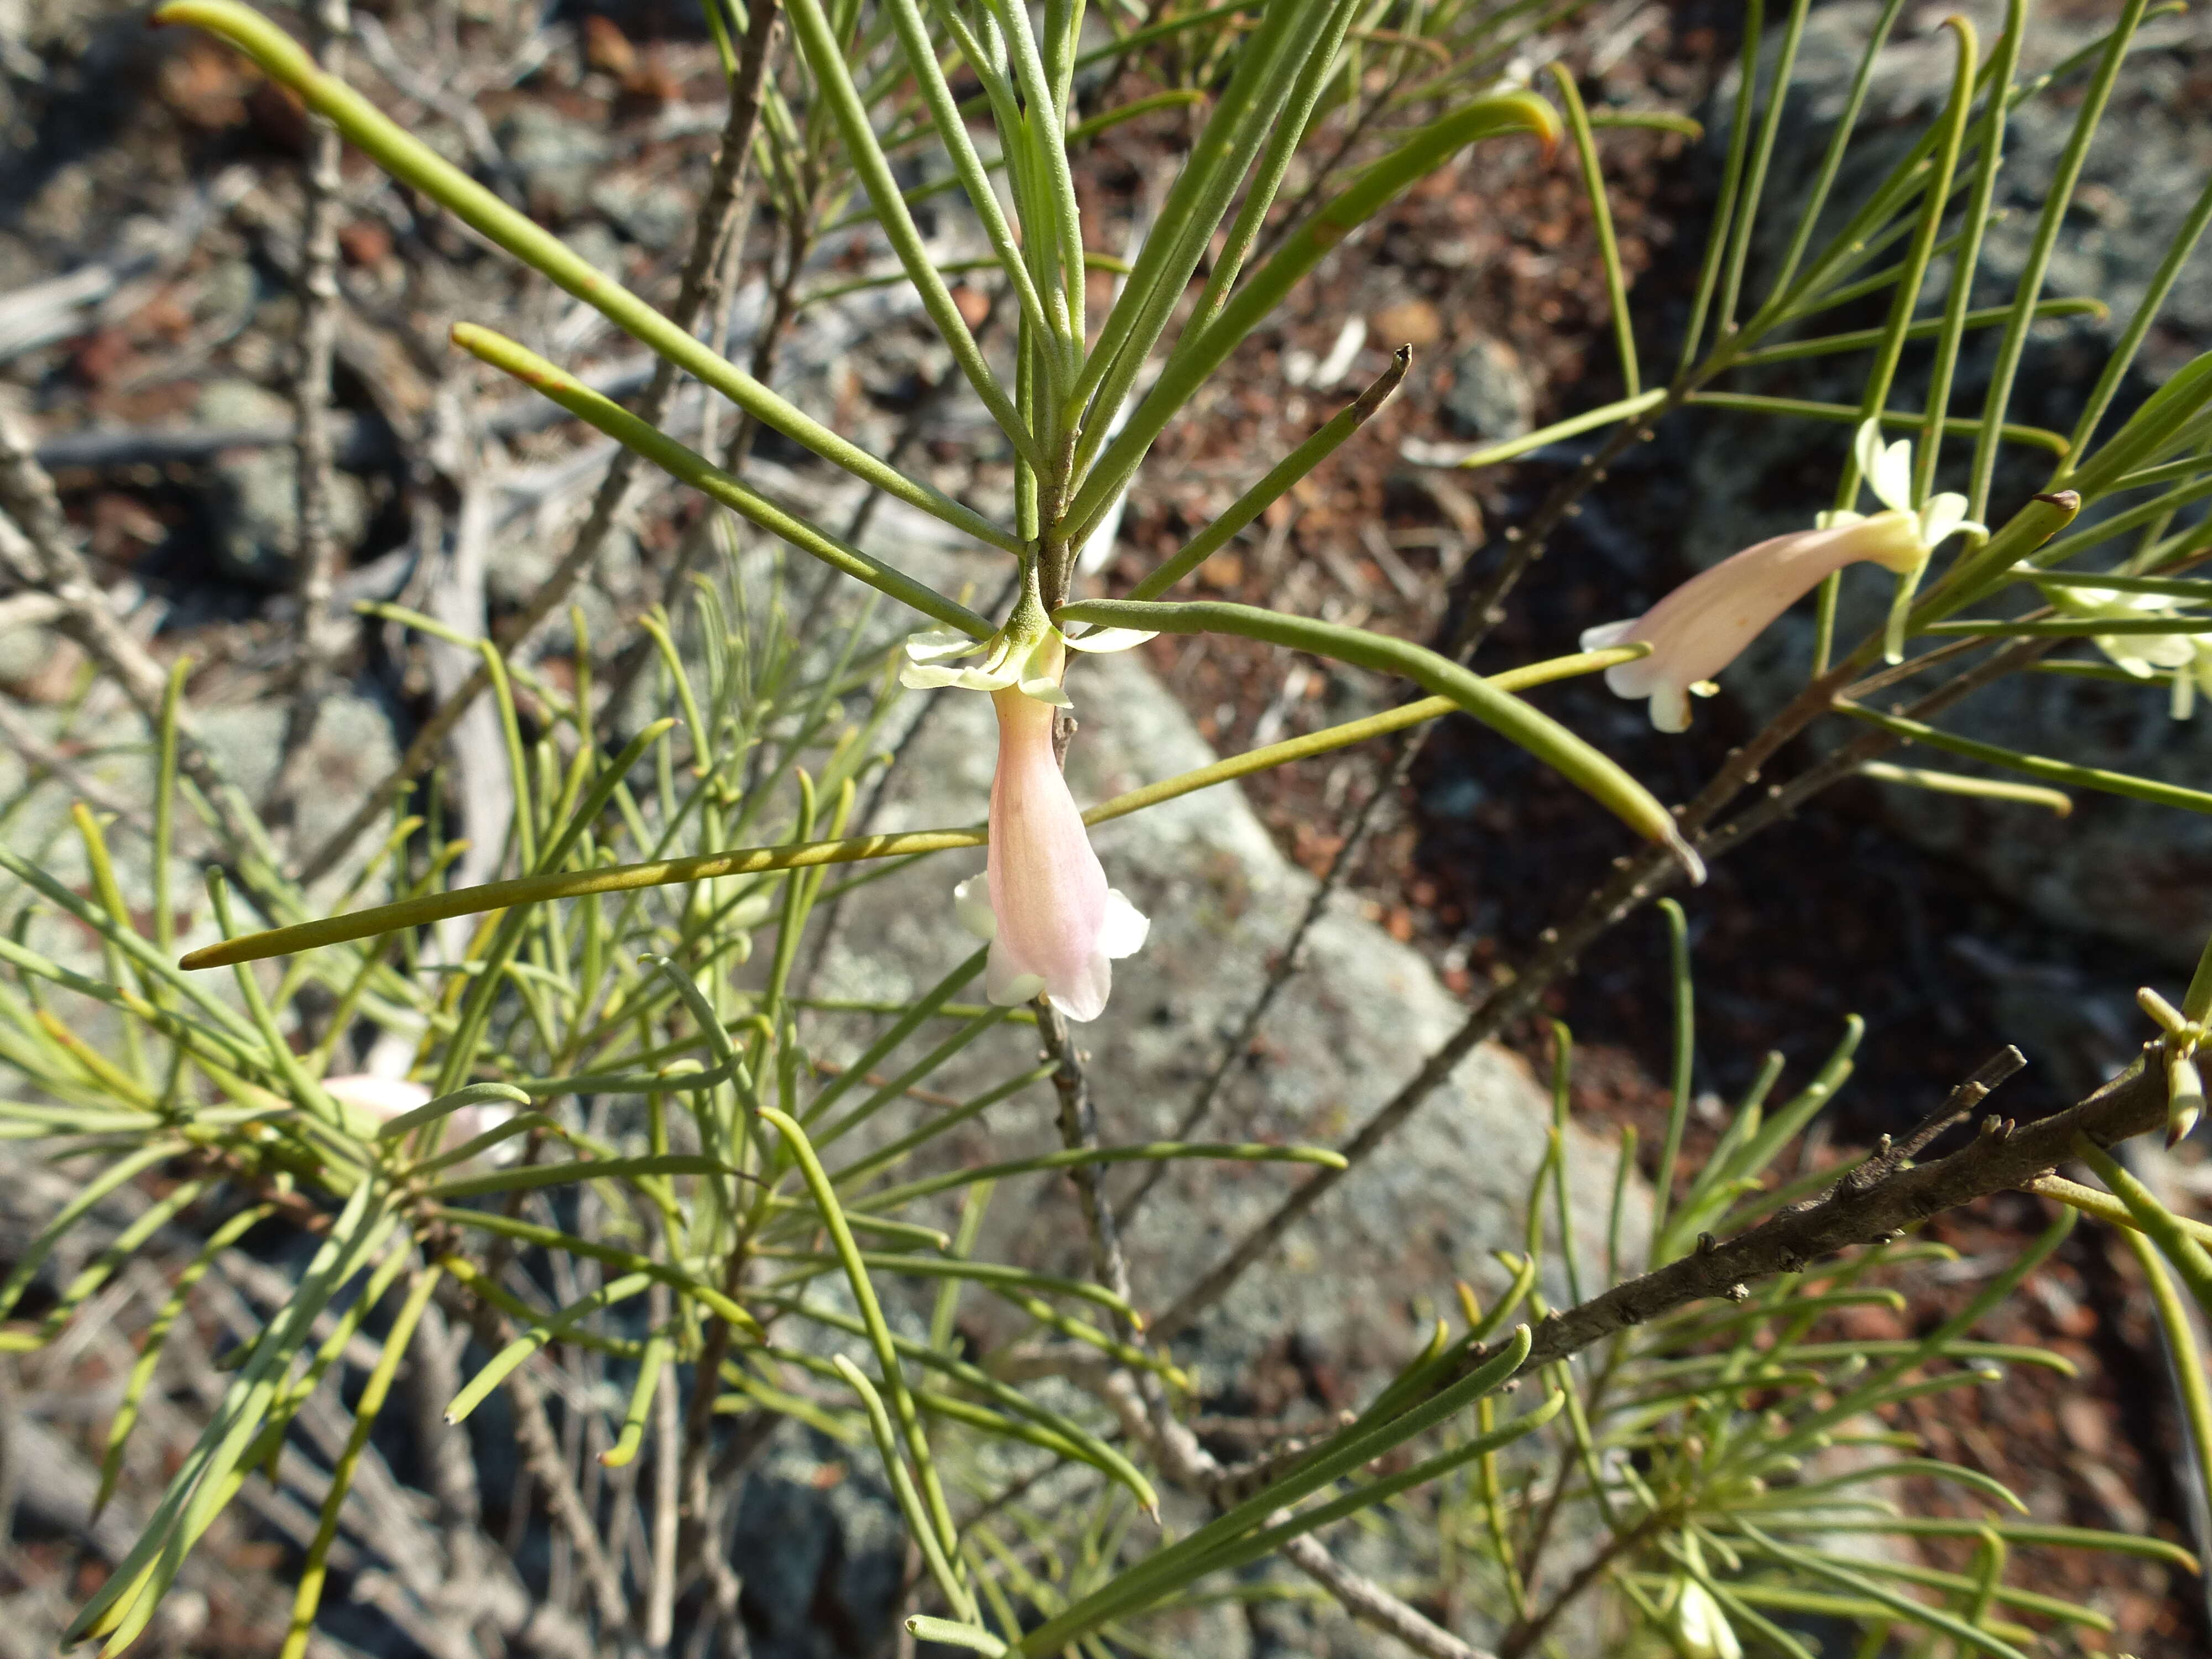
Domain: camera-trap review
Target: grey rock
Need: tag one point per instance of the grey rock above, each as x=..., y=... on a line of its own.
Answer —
x=821, y=1550
x=1491, y=396
x=1322, y=1322
x=26, y=651
x=2135, y=871
x=645, y=210
x=557, y=157
x=254, y=496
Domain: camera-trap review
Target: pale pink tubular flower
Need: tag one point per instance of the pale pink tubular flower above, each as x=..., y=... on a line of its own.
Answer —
x=1055, y=927
x=382, y=1097
x=1699, y=628
x=1703, y=625
x=385, y=1098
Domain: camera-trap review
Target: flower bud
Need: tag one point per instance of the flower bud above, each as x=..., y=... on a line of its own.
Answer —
x=1700, y=1629
x=2184, y=1095
x=2170, y=1019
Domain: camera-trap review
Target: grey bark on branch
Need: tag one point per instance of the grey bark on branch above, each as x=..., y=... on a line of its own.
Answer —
x=40, y=549
x=2002, y=1156
x=316, y=553
x=1141, y=1403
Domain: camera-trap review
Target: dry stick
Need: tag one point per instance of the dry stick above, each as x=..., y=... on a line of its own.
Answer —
x=1141, y=1402
x=1637, y=878
x=316, y=552
x=1370, y=1603
x=433, y=1377
x=1526, y=1633
x=45, y=558
x=718, y=214
x=1524, y=546
x=783, y=307
x=1078, y=1127
x=2002, y=1156
x=549, y=1467
x=694, y=1490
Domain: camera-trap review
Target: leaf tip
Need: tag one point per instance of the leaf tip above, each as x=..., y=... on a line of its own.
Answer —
x=1685, y=855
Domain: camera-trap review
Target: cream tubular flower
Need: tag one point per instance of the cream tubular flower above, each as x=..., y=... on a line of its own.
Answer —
x=1703, y=625
x=1887, y=471
x=1055, y=927
x=2187, y=657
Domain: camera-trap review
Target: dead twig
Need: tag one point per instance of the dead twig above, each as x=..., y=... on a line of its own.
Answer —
x=717, y=219
x=316, y=553
x=39, y=551
x=1139, y=1400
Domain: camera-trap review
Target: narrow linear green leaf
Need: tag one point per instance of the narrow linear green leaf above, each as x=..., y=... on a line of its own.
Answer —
x=1592, y=772
x=1608, y=246
x=974, y=1637
x=532, y=1176
x=690, y=467
x=2049, y=771
x=497, y=1370
x=2055, y=801
x=407, y=159
x=475, y=1094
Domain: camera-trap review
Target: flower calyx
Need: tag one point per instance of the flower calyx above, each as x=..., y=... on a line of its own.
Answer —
x=1027, y=653
x=1887, y=471
x=2185, y=655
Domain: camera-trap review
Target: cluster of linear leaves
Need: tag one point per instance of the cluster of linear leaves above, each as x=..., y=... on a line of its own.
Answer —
x=728, y=1206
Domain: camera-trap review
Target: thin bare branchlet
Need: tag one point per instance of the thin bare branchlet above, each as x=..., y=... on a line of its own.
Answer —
x=597, y=1117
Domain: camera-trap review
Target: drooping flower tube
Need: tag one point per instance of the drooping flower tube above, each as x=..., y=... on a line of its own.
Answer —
x=1702, y=626
x=1055, y=927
